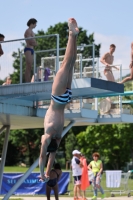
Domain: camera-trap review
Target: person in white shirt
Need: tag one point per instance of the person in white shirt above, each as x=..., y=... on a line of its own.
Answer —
x=76, y=173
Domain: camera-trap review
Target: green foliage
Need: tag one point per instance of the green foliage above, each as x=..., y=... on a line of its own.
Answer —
x=70, y=145
x=114, y=143
x=27, y=143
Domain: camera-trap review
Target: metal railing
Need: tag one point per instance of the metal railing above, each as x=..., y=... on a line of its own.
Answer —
x=42, y=51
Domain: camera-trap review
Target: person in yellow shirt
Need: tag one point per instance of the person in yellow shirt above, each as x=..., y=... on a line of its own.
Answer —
x=96, y=167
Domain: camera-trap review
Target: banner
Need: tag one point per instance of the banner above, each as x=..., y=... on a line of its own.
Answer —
x=32, y=185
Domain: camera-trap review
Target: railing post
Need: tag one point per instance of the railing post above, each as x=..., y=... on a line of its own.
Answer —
x=81, y=66
x=93, y=55
x=97, y=73
x=20, y=78
x=34, y=65
x=57, y=52
x=120, y=98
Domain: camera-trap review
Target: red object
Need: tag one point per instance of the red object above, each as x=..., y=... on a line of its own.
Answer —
x=84, y=178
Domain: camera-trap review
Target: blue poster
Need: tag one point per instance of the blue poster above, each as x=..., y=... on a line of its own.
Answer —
x=32, y=185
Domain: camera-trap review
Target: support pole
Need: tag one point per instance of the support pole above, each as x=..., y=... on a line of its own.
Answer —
x=93, y=57
x=21, y=180
x=57, y=52
x=120, y=97
x=2, y=129
x=97, y=76
x=34, y=65
x=20, y=68
x=5, y=145
x=67, y=128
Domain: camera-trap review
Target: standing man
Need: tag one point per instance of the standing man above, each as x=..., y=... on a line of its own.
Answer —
x=107, y=59
x=1, y=40
x=29, y=49
x=129, y=78
x=76, y=173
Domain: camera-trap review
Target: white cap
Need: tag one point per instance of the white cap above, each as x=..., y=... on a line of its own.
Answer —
x=76, y=152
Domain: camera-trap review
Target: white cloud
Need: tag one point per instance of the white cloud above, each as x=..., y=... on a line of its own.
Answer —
x=122, y=53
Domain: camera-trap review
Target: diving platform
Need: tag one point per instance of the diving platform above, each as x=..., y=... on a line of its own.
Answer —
x=17, y=102
x=82, y=87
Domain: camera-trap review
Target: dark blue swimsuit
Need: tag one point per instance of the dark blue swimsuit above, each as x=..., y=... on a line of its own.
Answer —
x=53, y=182
x=29, y=49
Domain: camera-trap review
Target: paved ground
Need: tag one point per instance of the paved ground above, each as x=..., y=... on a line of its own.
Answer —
x=70, y=198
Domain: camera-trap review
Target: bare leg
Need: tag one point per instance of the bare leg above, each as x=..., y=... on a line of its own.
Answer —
x=29, y=62
x=129, y=78
x=72, y=65
x=48, y=191
x=55, y=188
x=109, y=75
x=78, y=190
x=61, y=79
x=75, y=191
x=84, y=195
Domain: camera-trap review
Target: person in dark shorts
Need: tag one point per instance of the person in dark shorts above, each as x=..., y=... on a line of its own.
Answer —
x=52, y=184
x=76, y=173
x=29, y=48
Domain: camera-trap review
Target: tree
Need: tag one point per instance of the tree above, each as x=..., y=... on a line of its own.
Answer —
x=27, y=143
x=110, y=141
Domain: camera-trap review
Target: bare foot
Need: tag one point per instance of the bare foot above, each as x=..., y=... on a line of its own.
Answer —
x=73, y=28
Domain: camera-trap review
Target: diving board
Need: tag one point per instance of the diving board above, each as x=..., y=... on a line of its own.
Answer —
x=82, y=87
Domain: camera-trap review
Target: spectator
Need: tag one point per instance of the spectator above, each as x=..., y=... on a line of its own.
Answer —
x=8, y=81
x=52, y=184
x=107, y=59
x=29, y=49
x=84, y=178
x=76, y=173
x=96, y=167
x=1, y=40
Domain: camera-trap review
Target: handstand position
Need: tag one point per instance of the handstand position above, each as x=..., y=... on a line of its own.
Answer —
x=61, y=95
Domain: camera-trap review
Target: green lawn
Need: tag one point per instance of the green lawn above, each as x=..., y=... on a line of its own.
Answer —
x=14, y=199
x=89, y=192
x=18, y=169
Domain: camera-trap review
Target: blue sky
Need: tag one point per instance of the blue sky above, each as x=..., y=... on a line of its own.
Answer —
x=110, y=20
x=107, y=17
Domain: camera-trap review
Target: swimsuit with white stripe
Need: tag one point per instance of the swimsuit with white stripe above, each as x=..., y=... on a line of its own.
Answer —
x=64, y=98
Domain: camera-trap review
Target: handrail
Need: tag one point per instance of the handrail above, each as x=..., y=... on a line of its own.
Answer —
x=29, y=38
